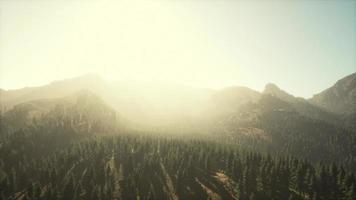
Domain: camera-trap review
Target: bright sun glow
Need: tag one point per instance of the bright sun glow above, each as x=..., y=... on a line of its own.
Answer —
x=125, y=40
x=210, y=44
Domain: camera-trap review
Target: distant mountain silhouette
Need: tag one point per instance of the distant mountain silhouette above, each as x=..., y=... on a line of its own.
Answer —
x=82, y=109
x=56, y=89
x=154, y=104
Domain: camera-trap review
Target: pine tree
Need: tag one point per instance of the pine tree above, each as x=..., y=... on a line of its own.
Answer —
x=68, y=192
x=351, y=193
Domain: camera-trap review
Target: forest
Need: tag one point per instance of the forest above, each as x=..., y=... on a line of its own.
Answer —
x=141, y=166
x=80, y=151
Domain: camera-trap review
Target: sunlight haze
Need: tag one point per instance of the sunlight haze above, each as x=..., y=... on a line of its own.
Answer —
x=197, y=43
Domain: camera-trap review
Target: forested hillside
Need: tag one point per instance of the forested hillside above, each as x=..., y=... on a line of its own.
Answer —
x=275, y=126
x=248, y=145
x=141, y=166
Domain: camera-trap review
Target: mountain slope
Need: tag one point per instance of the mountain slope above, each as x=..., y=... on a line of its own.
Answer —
x=302, y=106
x=231, y=99
x=56, y=89
x=82, y=110
x=340, y=98
x=275, y=126
x=143, y=102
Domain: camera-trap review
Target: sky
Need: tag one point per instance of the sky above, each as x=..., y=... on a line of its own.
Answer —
x=302, y=46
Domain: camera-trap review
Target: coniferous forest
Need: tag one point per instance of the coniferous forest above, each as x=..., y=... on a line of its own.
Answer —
x=81, y=150
x=141, y=166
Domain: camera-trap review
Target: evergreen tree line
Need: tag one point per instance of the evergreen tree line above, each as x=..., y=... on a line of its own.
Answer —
x=136, y=166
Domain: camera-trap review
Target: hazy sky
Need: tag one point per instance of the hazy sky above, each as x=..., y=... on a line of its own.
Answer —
x=302, y=46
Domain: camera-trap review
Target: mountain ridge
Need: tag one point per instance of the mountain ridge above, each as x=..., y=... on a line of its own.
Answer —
x=339, y=98
x=151, y=104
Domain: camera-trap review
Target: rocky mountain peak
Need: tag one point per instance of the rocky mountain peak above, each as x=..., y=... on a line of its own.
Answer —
x=274, y=90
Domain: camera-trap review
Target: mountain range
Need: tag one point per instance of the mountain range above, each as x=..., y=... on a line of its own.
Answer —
x=150, y=103
x=271, y=120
